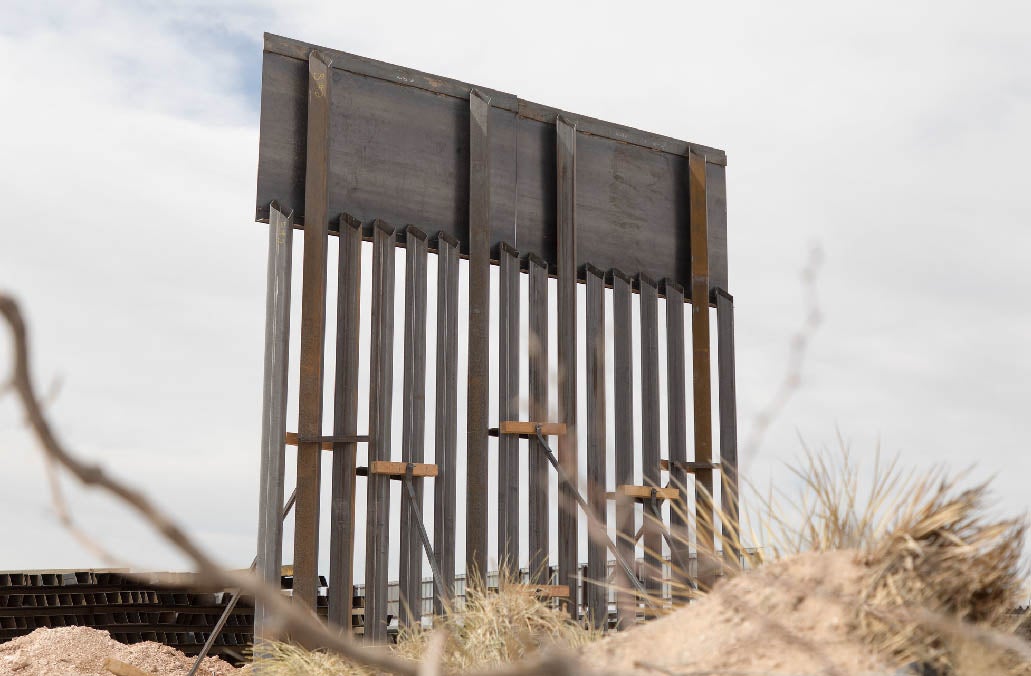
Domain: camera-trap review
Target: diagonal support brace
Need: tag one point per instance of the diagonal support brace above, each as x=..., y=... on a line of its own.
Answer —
x=653, y=503
x=220, y=625
x=413, y=504
x=597, y=527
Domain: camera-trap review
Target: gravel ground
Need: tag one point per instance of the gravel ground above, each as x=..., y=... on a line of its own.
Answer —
x=81, y=651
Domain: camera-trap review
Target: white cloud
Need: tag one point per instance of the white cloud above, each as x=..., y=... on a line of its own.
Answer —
x=893, y=134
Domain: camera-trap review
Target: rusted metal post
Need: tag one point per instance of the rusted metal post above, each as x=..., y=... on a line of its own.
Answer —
x=676, y=353
x=728, y=421
x=273, y=415
x=508, y=409
x=479, y=337
x=706, y=541
x=413, y=426
x=381, y=381
x=537, y=355
x=650, y=428
x=595, y=581
x=445, y=487
x=623, y=428
x=568, y=566
x=313, y=332
x=345, y=423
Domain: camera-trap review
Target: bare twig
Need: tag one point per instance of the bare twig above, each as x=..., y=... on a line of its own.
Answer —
x=799, y=345
x=65, y=518
x=302, y=625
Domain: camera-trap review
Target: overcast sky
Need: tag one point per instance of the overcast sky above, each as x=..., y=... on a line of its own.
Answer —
x=894, y=135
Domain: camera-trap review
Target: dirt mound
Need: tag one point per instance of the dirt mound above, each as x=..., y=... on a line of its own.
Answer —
x=81, y=651
x=789, y=617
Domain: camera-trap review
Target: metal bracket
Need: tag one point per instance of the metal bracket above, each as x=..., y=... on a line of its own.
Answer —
x=328, y=442
x=688, y=466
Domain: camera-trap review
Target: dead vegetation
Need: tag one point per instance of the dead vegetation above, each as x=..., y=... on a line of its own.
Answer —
x=492, y=629
x=904, y=571
x=944, y=558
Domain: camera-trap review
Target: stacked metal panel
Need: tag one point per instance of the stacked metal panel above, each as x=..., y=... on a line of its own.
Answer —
x=131, y=609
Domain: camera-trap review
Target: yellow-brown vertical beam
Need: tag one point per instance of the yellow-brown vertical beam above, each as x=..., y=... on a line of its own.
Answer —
x=706, y=544
x=313, y=332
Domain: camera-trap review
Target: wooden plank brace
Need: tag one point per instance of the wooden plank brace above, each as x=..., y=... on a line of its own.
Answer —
x=559, y=591
x=527, y=430
x=398, y=470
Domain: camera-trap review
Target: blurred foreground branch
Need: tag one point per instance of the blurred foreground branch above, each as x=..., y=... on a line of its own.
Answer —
x=300, y=624
x=796, y=357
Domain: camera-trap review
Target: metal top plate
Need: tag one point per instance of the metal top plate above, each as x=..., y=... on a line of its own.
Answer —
x=399, y=151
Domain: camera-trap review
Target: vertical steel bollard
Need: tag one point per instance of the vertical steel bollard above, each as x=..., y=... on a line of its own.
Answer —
x=273, y=417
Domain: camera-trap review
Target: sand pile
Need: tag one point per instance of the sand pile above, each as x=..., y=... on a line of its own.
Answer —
x=790, y=617
x=925, y=575
x=81, y=651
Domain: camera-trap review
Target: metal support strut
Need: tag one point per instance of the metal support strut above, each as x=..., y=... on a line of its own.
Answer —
x=413, y=504
x=596, y=526
x=220, y=625
x=653, y=507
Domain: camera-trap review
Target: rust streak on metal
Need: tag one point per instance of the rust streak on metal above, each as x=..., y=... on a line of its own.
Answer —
x=479, y=335
x=313, y=332
x=701, y=363
x=567, y=378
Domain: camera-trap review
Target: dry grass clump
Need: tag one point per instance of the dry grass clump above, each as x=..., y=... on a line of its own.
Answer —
x=285, y=659
x=943, y=574
x=495, y=628
x=944, y=562
x=489, y=630
x=834, y=509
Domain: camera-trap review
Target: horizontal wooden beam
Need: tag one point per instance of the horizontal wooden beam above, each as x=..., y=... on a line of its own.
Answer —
x=399, y=469
x=644, y=493
x=542, y=590
x=530, y=427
